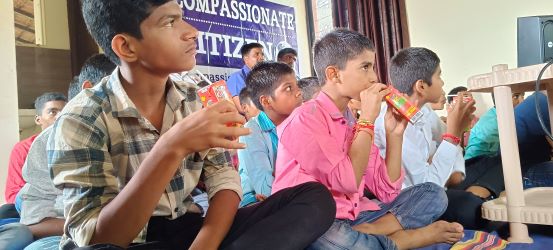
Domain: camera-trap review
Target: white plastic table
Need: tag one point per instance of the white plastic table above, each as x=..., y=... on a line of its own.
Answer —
x=519, y=207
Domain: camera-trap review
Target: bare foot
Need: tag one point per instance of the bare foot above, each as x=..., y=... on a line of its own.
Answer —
x=437, y=232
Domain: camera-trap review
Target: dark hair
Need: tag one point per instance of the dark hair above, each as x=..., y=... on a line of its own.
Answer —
x=263, y=79
x=107, y=18
x=336, y=49
x=94, y=69
x=410, y=65
x=244, y=96
x=246, y=48
x=47, y=97
x=309, y=86
x=285, y=51
x=74, y=87
x=456, y=90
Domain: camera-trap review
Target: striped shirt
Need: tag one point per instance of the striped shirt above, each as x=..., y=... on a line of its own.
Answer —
x=99, y=142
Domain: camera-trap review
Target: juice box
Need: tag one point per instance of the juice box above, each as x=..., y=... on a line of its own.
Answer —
x=214, y=93
x=403, y=106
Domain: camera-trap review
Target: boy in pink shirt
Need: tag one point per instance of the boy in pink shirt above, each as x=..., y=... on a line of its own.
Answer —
x=321, y=141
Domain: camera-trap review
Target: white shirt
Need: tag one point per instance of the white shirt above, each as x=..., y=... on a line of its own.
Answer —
x=425, y=156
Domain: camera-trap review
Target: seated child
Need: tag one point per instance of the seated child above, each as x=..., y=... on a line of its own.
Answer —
x=250, y=110
x=416, y=72
x=310, y=87
x=42, y=202
x=128, y=152
x=276, y=94
x=321, y=141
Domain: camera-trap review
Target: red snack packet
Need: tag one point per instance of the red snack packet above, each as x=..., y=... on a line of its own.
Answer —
x=214, y=93
x=403, y=106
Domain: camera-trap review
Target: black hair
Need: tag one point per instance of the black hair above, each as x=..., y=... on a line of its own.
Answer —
x=245, y=96
x=74, y=88
x=47, y=97
x=309, y=86
x=456, y=90
x=107, y=18
x=94, y=69
x=410, y=65
x=246, y=48
x=336, y=49
x=285, y=51
x=264, y=78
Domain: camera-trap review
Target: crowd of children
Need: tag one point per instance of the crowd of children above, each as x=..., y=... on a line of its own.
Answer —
x=135, y=161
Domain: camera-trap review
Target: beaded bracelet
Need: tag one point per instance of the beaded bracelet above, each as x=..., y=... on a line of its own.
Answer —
x=455, y=139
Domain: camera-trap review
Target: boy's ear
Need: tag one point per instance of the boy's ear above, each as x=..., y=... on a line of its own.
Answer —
x=331, y=74
x=122, y=46
x=419, y=87
x=37, y=120
x=265, y=101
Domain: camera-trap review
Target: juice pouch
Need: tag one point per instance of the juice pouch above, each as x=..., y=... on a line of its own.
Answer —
x=211, y=93
x=214, y=93
x=403, y=106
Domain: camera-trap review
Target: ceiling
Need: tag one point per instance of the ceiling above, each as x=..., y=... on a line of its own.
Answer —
x=24, y=21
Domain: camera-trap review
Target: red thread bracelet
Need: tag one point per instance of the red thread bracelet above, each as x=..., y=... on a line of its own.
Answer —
x=455, y=139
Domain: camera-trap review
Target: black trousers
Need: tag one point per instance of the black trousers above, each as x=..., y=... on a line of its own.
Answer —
x=290, y=219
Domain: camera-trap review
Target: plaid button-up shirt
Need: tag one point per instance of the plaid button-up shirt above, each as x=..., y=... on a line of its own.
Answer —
x=100, y=140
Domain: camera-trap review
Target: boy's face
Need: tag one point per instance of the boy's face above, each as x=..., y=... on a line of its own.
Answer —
x=286, y=97
x=49, y=113
x=433, y=93
x=289, y=59
x=168, y=43
x=357, y=75
x=253, y=57
x=250, y=110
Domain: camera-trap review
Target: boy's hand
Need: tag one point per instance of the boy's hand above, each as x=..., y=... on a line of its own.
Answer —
x=394, y=122
x=371, y=99
x=460, y=115
x=207, y=128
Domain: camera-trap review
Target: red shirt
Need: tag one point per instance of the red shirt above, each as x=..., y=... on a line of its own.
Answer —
x=17, y=158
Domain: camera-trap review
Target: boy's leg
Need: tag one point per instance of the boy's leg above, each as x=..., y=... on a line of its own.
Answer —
x=290, y=219
x=539, y=175
x=414, y=207
x=15, y=236
x=342, y=236
x=409, y=219
x=466, y=208
x=48, y=243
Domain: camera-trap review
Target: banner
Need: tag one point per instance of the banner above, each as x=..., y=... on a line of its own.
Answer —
x=226, y=25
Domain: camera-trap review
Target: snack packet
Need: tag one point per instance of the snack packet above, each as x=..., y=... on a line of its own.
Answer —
x=403, y=106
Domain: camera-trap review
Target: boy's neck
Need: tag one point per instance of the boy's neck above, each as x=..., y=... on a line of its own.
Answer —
x=277, y=119
x=143, y=88
x=340, y=101
x=416, y=98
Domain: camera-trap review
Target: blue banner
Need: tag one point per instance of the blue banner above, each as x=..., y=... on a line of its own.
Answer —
x=225, y=25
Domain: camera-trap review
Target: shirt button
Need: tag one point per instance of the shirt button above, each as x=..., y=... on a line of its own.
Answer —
x=176, y=209
x=355, y=204
x=343, y=122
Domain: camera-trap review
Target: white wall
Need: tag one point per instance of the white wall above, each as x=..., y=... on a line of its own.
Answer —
x=301, y=33
x=8, y=96
x=470, y=36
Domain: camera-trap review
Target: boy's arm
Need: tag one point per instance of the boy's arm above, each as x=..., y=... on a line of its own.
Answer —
x=47, y=227
x=255, y=158
x=224, y=192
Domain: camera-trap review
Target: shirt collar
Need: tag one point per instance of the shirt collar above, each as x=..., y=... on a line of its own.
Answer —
x=122, y=105
x=246, y=70
x=330, y=107
x=265, y=122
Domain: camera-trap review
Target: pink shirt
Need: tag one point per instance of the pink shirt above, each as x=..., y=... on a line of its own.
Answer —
x=313, y=146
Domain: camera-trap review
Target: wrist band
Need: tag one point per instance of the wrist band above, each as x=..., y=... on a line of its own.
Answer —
x=365, y=126
x=455, y=139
